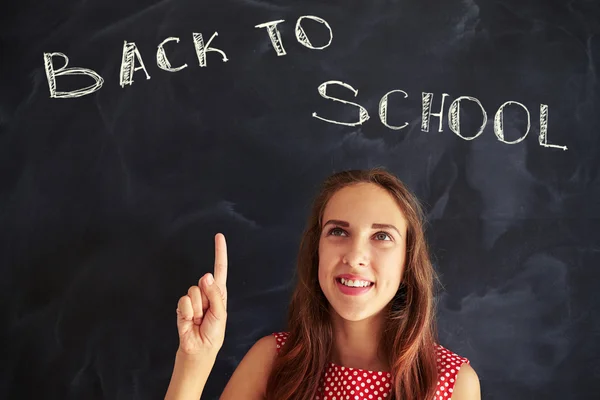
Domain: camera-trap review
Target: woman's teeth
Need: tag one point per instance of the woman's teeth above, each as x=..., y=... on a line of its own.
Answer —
x=356, y=283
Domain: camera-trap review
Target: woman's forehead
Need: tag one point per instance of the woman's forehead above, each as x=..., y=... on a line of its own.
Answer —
x=364, y=203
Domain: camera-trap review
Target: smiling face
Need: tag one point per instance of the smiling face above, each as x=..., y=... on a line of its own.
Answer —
x=363, y=239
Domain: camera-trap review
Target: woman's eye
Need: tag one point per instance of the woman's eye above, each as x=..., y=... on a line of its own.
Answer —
x=383, y=236
x=336, y=232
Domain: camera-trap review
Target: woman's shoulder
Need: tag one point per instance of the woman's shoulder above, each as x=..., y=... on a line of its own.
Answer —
x=456, y=377
x=265, y=349
x=249, y=380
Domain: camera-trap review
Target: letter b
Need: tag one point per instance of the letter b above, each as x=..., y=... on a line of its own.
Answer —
x=52, y=74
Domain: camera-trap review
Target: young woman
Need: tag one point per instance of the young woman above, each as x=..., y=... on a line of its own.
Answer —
x=361, y=319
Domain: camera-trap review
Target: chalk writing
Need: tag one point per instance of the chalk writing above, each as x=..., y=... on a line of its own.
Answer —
x=161, y=57
x=131, y=56
x=52, y=74
x=454, y=113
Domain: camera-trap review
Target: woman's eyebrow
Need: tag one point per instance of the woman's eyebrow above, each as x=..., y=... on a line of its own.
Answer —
x=345, y=224
x=337, y=222
x=386, y=226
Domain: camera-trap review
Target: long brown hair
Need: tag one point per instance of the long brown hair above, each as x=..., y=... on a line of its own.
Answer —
x=409, y=335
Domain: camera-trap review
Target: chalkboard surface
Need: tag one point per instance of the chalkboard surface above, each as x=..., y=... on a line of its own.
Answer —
x=133, y=131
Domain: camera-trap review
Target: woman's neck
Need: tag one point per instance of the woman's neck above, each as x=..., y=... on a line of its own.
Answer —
x=356, y=343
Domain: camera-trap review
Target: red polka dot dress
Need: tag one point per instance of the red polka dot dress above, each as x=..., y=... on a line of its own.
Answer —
x=343, y=383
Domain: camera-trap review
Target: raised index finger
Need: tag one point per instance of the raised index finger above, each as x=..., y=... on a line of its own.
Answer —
x=220, y=260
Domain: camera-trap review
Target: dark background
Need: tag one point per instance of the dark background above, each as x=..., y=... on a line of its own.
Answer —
x=109, y=202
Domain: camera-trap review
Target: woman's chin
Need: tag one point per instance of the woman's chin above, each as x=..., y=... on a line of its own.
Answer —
x=346, y=314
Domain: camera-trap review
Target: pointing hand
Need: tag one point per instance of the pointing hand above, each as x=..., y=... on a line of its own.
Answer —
x=202, y=312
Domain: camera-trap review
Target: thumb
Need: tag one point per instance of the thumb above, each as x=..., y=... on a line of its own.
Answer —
x=215, y=298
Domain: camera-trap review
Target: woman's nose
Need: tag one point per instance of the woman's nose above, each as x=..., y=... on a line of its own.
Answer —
x=357, y=255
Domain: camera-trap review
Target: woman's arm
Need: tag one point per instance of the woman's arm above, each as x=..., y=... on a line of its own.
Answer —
x=189, y=376
x=201, y=318
x=467, y=384
x=248, y=382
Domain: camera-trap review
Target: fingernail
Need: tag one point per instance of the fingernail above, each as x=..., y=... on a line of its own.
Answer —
x=209, y=279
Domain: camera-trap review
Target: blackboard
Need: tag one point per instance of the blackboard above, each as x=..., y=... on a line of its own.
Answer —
x=114, y=178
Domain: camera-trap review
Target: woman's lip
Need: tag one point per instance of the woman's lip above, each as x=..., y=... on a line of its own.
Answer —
x=352, y=291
